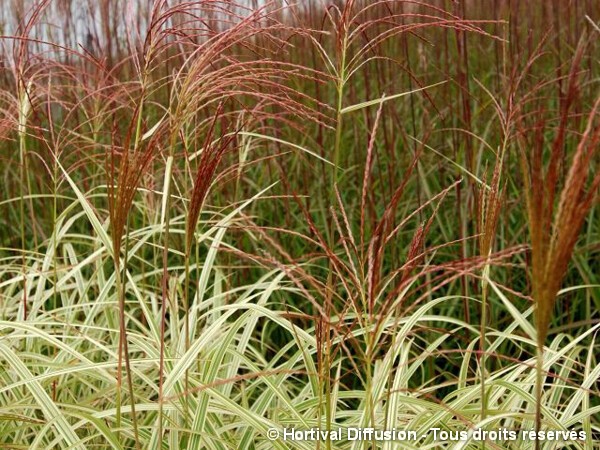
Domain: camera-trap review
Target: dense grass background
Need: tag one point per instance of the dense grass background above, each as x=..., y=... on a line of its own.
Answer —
x=219, y=218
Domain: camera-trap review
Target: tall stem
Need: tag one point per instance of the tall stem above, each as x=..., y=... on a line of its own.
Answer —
x=23, y=112
x=123, y=344
x=121, y=285
x=331, y=229
x=369, y=388
x=482, y=345
x=163, y=314
x=186, y=332
x=339, y=116
x=539, y=390
x=327, y=359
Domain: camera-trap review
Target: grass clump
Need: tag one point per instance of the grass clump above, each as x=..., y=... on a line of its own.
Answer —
x=219, y=219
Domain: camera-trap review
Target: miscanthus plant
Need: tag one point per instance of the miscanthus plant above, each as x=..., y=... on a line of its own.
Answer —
x=222, y=221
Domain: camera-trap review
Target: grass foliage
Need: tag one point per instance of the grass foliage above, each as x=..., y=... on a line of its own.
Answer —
x=221, y=218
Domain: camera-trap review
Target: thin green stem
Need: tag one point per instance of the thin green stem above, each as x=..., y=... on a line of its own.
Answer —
x=341, y=81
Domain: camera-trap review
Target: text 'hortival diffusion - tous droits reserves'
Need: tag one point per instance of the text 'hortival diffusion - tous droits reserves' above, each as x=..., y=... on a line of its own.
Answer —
x=438, y=435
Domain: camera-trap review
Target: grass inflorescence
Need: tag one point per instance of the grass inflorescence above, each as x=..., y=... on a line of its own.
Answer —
x=221, y=218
